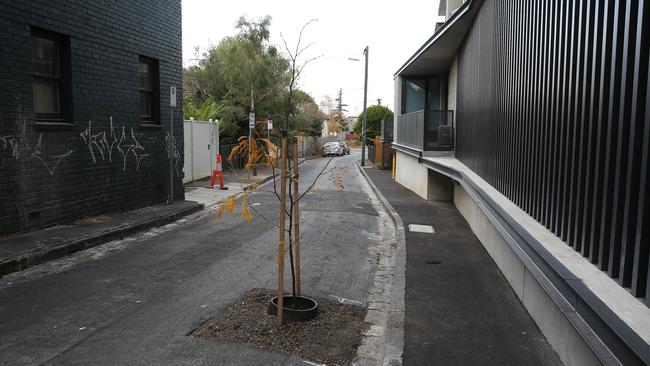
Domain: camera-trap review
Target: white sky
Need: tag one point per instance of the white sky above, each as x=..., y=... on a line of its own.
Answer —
x=393, y=30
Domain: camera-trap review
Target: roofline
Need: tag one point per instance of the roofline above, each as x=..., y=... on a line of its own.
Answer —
x=448, y=23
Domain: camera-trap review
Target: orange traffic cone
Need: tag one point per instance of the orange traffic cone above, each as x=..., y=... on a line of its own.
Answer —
x=216, y=172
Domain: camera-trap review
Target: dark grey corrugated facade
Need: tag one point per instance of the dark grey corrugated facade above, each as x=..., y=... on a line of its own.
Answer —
x=553, y=112
x=53, y=172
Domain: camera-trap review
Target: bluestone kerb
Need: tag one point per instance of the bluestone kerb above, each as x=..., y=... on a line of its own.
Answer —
x=394, y=337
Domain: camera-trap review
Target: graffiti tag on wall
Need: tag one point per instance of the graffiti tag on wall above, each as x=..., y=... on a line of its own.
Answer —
x=22, y=150
x=103, y=144
x=172, y=151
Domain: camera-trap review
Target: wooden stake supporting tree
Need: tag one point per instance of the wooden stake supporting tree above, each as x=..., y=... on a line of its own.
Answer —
x=283, y=207
x=296, y=216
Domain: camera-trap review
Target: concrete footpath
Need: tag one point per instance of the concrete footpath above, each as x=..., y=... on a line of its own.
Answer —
x=23, y=250
x=235, y=180
x=459, y=309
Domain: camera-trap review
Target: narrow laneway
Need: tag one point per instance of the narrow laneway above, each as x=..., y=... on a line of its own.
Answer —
x=134, y=301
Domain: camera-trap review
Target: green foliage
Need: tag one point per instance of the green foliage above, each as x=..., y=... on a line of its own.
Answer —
x=375, y=114
x=207, y=109
x=242, y=67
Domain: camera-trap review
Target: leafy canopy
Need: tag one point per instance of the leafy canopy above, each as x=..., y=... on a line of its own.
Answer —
x=373, y=127
x=245, y=72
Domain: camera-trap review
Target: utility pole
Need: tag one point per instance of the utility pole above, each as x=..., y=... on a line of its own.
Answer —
x=365, y=112
x=171, y=144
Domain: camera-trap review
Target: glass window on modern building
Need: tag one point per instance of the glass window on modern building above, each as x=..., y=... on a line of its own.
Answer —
x=51, y=76
x=149, y=88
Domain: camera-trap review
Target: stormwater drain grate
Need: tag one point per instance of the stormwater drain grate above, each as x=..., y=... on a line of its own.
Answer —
x=417, y=228
x=433, y=262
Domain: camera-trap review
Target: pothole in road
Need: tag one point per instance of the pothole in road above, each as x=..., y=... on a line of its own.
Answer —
x=433, y=262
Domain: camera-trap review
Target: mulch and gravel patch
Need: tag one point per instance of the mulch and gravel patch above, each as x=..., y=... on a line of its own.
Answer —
x=331, y=338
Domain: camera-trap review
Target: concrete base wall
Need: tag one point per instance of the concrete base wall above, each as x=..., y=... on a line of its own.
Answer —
x=411, y=174
x=562, y=336
x=440, y=187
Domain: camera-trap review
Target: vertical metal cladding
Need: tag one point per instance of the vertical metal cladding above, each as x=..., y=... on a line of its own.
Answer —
x=553, y=111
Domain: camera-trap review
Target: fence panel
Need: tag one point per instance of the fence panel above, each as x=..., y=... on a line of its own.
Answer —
x=200, y=139
x=410, y=129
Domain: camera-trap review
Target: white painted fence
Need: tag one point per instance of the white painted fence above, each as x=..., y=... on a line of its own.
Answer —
x=201, y=142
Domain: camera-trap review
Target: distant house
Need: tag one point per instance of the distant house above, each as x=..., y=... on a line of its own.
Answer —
x=349, y=123
x=85, y=108
x=534, y=118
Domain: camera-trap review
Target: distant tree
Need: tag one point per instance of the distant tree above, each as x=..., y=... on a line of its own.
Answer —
x=375, y=114
x=339, y=112
x=308, y=117
x=253, y=70
x=326, y=104
x=244, y=73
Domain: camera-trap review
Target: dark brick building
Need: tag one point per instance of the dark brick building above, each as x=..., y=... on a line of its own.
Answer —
x=84, y=108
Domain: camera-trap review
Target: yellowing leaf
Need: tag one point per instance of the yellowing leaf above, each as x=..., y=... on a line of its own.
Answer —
x=245, y=213
x=233, y=152
x=230, y=204
x=222, y=207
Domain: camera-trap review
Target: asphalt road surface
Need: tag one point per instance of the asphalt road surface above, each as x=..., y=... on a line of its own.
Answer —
x=134, y=301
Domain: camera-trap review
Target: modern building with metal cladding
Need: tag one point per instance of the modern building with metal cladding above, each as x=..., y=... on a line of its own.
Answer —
x=85, y=108
x=540, y=113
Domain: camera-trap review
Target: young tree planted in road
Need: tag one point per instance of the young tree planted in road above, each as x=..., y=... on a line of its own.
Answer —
x=289, y=195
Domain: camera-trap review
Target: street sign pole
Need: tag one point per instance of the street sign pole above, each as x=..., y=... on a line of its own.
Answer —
x=251, y=125
x=365, y=112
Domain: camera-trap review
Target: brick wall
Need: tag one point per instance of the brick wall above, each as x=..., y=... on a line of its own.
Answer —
x=54, y=174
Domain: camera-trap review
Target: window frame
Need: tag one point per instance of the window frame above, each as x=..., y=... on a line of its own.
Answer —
x=154, y=118
x=62, y=42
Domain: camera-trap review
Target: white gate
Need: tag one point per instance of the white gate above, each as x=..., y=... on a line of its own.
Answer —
x=201, y=145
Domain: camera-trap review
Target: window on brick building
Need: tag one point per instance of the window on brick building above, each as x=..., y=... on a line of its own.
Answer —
x=51, y=83
x=149, y=88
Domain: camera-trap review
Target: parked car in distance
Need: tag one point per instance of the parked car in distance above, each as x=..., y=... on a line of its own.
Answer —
x=332, y=148
x=345, y=147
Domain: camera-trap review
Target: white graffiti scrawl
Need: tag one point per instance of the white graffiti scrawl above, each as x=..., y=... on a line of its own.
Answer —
x=21, y=149
x=102, y=145
x=172, y=151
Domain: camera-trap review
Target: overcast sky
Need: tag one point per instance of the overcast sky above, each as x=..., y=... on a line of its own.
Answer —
x=393, y=30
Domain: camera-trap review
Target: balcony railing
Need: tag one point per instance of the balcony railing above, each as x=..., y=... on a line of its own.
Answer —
x=426, y=130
